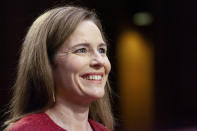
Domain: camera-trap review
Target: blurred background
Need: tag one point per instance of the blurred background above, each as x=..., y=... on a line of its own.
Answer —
x=153, y=51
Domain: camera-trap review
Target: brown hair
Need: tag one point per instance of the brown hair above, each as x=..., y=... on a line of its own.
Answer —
x=34, y=88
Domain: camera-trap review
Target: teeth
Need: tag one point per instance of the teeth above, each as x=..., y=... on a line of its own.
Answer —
x=93, y=77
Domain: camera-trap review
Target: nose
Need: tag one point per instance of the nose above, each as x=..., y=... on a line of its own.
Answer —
x=97, y=61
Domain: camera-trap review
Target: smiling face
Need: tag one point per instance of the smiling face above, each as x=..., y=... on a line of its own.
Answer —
x=82, y=67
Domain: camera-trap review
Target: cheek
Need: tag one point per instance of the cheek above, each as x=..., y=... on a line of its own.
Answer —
x=107, y=65
x=76, y=64
x=65, y=70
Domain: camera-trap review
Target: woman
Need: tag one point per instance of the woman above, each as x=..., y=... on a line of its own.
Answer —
x=62, y=75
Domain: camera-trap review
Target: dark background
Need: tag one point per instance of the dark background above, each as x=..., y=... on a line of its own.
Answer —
x=173, y=33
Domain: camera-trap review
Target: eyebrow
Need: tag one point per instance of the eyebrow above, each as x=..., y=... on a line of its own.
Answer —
x=88, y=44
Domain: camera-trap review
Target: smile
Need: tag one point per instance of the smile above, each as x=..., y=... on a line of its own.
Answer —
x=93, y=76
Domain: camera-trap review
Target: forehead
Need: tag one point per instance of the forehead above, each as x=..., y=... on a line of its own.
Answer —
x=86, y=32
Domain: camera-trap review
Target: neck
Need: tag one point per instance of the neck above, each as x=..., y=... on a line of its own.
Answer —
x=70, y=116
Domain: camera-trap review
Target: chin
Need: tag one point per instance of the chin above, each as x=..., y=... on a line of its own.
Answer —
x=95, y=95
x=99, y=96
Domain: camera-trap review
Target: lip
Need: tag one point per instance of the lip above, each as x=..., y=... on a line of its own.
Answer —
x=93, y=73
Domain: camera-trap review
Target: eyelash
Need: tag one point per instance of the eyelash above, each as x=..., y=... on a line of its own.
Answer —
x=81, y=50
x=84, y=50
x=103, y=50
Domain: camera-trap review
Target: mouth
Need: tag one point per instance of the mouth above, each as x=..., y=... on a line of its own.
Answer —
x=94, y=77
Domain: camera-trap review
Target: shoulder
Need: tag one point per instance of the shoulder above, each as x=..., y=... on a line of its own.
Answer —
x=31, y=122
x=97, y=126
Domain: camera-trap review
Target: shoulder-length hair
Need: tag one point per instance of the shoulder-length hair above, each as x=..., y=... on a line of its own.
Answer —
x=34, y=89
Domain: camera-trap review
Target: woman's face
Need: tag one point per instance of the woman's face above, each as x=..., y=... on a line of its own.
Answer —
x=82, y=66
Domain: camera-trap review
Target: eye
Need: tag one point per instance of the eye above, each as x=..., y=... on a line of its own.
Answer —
x=81, y=50
x=102, y=50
